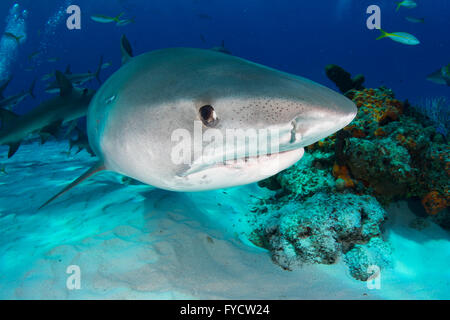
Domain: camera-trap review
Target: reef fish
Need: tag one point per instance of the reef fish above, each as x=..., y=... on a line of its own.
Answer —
x=14, y=37
x=135, y=118
x=409, y=4
x=401, y=37
x=415, y=20
x=106, y=19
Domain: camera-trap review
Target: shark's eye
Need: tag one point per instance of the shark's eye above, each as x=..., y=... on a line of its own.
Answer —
x=208, y=116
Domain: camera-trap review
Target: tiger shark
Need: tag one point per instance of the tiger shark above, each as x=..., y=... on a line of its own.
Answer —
x=134, y=118
x=46, y=118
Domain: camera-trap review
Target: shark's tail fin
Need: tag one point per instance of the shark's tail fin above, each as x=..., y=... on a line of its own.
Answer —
x=8, y=120
x=126, y=49
x=31, y=90
x=98, y=167
x=99, y=69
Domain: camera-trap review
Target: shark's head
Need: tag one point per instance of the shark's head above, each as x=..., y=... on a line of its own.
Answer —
x=191, y=120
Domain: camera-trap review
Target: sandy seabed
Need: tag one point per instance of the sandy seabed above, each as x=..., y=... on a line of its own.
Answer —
x=138, y=242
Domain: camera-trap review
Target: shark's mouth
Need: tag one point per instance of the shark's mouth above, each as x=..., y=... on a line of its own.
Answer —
x=265, y=162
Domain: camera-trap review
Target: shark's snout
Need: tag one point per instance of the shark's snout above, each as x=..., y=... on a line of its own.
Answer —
x=309, y=127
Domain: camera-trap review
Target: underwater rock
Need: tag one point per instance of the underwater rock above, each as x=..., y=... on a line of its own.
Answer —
x=375, y=253
x=319, y=229
x=343, y=79
x=305, y=178
x=384, y=164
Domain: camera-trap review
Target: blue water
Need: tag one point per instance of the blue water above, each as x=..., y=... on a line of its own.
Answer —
x=299, y=37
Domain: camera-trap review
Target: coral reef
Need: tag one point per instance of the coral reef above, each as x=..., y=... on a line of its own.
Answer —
x=321, y=229
x=331, y=202
x=391, y=152
x=374, y=253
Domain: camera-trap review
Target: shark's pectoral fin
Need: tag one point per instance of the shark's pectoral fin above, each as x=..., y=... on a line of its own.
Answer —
x=8, y=120
x=13, y=147
x=52, y=129
x=98, y=167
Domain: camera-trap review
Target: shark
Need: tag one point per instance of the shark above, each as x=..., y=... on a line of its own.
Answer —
x=441, y=76
x=10, y=102
x=134, y=119
x=221, y=48
x=46, y=118
x=77, y=79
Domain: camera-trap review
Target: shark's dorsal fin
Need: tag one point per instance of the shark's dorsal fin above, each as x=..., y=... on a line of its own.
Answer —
x=98, y=167
x=126, y=49
x=64, y=84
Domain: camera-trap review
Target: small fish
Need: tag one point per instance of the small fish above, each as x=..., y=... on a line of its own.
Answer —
x=106, y=19
x=204, y=16
x=125, y=22
x=409, y=4
x=441, y=76
x=415, y=20
x=106, y=65
x=47, y=76
x=53, y=60
x=402, y=37
x=33, y=55
x=14, y=37
x=3, y=170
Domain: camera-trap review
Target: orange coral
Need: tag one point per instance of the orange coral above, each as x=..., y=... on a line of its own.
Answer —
x=391, y=114
x=380, y=132
x=434, y=203
x=358, y=133
x=342, y=172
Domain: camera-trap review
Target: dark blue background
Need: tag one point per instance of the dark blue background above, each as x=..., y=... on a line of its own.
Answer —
x=299, y=37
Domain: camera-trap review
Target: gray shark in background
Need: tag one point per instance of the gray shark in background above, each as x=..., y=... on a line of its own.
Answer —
x=9, y=102
x=132, y=118
x=222, y=48
x=46, y=118
x=77, y=79
x=441, y=76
